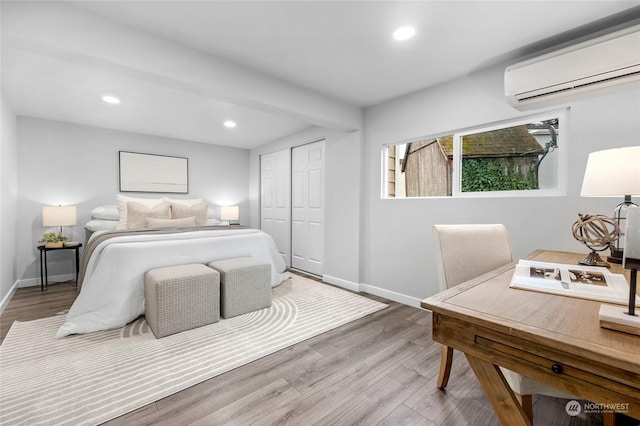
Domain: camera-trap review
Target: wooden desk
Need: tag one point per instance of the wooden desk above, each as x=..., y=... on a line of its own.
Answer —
x=553, y=339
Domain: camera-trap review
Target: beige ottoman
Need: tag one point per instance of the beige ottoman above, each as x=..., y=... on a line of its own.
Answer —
x=245, y=285
x=179, y=298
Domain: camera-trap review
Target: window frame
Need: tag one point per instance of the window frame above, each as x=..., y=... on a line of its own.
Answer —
x=560, y=188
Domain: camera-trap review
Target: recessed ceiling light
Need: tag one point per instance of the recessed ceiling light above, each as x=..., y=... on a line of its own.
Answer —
x=404, y=33
x=110, y=99
x=230, y=124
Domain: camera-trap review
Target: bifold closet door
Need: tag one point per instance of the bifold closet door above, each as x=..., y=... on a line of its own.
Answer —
x=307, y=207
x=275, y=200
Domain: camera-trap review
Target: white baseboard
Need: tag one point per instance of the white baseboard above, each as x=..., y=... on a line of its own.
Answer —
x=32, y=282
x=7, y=298
x=391, y=295
x=348, y=285
x=376, y=291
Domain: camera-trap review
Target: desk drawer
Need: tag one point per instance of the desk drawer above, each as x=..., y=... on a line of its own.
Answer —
x=554, y=366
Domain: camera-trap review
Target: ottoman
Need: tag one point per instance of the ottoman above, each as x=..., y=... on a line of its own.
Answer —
x=179, y=298
x=245, y=285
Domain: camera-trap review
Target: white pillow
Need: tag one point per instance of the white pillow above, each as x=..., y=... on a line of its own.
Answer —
x=137, y=214
x=101, y=225
x=211, y=213
x=109, y=212
x=187, y=222
x=212, y=221
x=122, y=207
x=179, y=211
x=189, y=202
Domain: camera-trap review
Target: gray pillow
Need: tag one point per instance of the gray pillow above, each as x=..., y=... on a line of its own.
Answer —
x=186, y=222
x=199, y=211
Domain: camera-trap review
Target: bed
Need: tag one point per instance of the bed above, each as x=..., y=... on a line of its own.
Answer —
x=111, y=279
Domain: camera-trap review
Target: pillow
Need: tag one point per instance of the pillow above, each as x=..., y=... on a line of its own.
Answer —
x=106, y=212
x=122, y=207
x=101, y=225
x=212, y=221
x=138, y=213
x=187, y=222
x=189, y=202
x=211, y=213
x=179, y=211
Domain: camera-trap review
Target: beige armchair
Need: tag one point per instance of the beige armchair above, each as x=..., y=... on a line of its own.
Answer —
x=464, y=252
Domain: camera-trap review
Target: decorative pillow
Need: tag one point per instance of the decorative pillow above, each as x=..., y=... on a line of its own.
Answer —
x=137, y=214
x=106, y=212
x=179, y=211
x=101, y=225
x=187, y=222
x=122, y=207
x=189, y=202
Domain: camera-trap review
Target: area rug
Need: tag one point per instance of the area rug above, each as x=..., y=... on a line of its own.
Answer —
x=89, y=379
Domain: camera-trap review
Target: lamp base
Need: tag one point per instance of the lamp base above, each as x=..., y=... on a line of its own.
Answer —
x=616, y=256
x=617, y=318
x=594, y=259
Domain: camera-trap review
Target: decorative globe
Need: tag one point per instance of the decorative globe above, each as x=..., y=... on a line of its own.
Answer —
x=595, y=231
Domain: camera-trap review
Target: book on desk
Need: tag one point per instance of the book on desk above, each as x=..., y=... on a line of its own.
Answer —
x=585, y=282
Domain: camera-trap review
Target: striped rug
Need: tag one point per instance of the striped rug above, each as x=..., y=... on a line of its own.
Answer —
x=92, y=378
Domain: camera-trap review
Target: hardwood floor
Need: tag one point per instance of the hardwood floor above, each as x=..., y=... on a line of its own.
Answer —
x=379, y=370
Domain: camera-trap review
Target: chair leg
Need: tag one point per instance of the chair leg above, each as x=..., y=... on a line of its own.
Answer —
x=527, y=405
x=445, y=366
x=609, y=419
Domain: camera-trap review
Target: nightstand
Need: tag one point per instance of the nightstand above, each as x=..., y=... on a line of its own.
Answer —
x=44, y=277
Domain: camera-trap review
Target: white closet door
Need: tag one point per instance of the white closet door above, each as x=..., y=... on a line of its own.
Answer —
x=307, y=207
x=275, y=196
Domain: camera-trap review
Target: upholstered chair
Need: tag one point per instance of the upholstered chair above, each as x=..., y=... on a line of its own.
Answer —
x=464, y=252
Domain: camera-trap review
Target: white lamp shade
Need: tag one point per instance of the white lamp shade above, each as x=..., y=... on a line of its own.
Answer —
x=229, y=213
x=58, y=215
x=612, y=173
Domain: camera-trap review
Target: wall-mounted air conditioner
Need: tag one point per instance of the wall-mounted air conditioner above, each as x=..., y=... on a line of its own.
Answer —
x=604, y=63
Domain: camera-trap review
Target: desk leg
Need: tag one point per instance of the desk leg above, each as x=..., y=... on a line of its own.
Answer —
x=502, y=398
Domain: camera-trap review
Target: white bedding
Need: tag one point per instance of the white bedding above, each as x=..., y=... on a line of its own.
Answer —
x=112, y=293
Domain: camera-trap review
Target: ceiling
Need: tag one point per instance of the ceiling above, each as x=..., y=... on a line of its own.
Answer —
x=181, y=68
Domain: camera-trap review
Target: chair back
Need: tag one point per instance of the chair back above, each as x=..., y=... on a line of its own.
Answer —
x=466, y=251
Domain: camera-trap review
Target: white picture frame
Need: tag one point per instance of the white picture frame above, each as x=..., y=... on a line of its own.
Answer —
x=153, y=173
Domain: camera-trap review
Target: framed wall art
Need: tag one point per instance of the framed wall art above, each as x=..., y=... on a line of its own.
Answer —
x=153, y=173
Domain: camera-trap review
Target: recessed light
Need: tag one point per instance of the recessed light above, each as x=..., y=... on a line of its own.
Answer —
x=404, y=33
x=230, y=124
x=110, y=99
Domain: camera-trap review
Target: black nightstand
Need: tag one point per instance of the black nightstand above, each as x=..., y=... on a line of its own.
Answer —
x=44, y=277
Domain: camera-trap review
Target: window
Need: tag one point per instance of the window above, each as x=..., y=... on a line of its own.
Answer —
x=517, y=158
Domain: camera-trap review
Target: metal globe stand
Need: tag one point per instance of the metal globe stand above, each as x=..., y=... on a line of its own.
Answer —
x=597, y=232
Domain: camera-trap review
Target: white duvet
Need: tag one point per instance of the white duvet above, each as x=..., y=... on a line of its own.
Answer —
x=112, y=293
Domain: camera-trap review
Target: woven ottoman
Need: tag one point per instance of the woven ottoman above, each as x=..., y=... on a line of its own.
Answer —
x=245, y=285
x=179, y=298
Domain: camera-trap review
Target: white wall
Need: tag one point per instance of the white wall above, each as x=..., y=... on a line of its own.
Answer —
x=397, y=246
x=62, y=163
x=8, y=201
x=342, y=198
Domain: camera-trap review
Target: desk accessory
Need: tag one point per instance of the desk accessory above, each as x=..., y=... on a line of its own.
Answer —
x=614, y=173
x=613, y=317
x=597, y=232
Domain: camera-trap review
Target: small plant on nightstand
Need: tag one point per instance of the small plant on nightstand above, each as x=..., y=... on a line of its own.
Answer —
x=53, y=239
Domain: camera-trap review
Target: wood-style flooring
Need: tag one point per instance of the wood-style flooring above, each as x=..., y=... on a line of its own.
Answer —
x=379, y=370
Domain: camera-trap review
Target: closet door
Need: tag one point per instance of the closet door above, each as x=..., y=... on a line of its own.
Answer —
x=307, y=207
x=275, y=196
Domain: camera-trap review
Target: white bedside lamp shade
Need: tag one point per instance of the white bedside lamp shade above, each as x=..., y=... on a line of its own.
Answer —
x=612, y=173
x=59, y=216
x=230, y=213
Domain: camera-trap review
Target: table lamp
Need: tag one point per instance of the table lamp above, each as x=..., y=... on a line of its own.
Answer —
x=614, y=173
x=59, y=216
x=615, y=317
x=230, y=213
